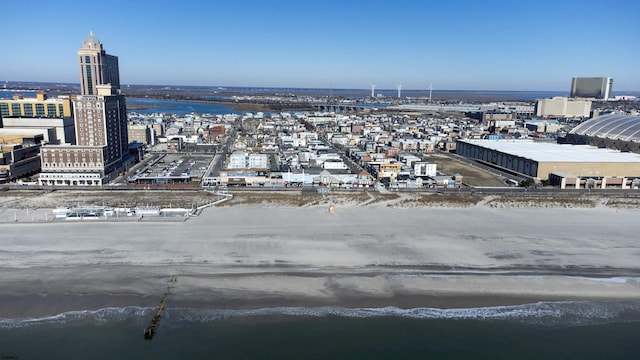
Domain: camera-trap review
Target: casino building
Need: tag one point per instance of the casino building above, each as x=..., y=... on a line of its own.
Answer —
x=100, y=115
x=612, y=131
x=598, y=88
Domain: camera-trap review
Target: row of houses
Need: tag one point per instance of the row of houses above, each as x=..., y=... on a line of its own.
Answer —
x=306, y=149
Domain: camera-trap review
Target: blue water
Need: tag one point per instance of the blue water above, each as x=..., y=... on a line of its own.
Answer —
x=226, y=92
x=549, y=330
x=184, y=107
x=9, y=94
x=178, y=107
x=214, y=93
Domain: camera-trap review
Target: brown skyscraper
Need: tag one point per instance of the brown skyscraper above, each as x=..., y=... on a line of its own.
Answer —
x=96, y=66
x=100, y=116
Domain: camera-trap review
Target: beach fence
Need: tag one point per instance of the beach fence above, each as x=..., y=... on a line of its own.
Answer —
x=224, y=197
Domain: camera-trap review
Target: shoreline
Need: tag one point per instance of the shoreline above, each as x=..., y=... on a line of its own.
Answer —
x=251, y=291
x=42, y=309
x=39, y=306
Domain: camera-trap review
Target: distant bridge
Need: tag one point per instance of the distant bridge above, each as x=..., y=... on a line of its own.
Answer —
x=341, y=108
x=347, y=108
x=437, y=107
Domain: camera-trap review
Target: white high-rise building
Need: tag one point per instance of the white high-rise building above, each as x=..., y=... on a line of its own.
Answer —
x=598, y=88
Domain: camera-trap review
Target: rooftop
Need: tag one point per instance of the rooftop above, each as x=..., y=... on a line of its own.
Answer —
x=552, y=152
x=612, y=126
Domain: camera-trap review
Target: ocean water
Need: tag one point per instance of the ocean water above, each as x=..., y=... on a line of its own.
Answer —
x=546, y=330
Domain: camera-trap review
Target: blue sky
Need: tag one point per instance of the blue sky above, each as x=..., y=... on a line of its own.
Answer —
x=456, y=45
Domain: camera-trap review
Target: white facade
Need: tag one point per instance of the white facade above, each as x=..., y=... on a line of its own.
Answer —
x=70, y=179
x=258, y=161
x=243, y=160
x=65, y=132
x=424, y=169
x=562, y=107
x=408, y=159
x=334, y=164
x=238, y=160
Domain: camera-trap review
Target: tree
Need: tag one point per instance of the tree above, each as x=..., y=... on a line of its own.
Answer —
x=527, y=183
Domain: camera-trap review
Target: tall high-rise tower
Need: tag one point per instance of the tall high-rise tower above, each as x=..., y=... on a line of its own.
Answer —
x=96, y=66
x=100, y=109
x=100, y=118
x=598, y=88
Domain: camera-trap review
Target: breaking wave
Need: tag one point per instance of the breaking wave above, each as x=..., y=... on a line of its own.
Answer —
x=100, y=316
x=565, y=313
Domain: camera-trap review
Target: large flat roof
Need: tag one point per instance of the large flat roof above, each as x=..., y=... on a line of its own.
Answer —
x=552, y=152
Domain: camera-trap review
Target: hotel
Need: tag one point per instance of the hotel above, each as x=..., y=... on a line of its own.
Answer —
x=100, y=115
x=598, y=88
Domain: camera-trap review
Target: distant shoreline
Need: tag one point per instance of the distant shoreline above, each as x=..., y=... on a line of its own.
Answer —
x=244, y=106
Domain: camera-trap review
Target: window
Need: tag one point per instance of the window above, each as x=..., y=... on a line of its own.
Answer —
x=89, y=77
x=51, y=110
x=28, y=109
x=4, y=109
x=40, y=110
x=15, y=109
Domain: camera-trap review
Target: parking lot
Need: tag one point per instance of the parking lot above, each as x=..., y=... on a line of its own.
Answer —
x=172, y=169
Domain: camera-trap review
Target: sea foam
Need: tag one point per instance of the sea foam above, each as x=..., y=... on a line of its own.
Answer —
x=563, y=312
x=100, y=316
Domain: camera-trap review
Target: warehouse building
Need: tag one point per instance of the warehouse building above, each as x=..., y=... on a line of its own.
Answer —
x=554, y=162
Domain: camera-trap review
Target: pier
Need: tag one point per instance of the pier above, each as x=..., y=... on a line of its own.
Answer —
x=151, y=330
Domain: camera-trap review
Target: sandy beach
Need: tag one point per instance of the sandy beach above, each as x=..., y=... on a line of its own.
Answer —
x=244, y=257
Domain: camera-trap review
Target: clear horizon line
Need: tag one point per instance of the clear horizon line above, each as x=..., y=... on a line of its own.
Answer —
x=295, y=87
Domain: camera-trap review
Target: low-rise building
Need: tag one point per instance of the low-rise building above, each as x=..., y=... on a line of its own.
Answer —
x=63, y=128
x=258, y=161
x=424, y=169
x=18, y=161
x=139, y=133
